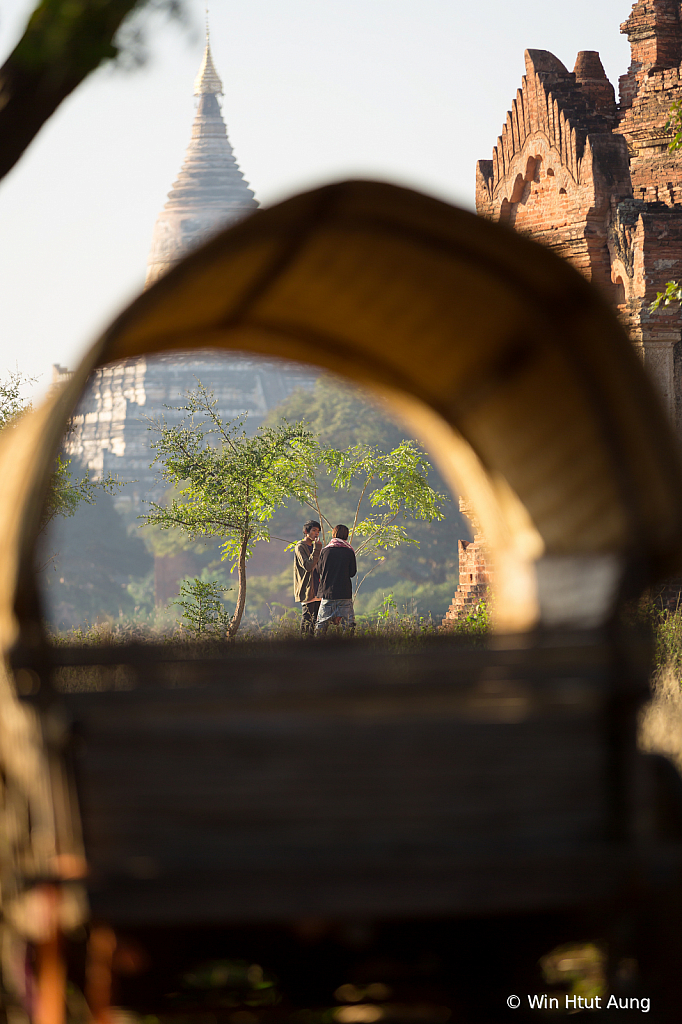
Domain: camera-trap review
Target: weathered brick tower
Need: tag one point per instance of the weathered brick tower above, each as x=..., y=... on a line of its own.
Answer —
x=475, y=570
x=594, y=181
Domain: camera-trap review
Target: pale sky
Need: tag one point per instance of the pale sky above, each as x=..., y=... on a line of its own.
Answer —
x=411, y=91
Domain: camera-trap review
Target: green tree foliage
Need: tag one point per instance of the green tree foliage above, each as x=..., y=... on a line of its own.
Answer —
x=12, y=402
x=202, y=607
x=674, y=123
x=229, y=484
x=166, y=543
x=672, y=293
x=65, y=494
x=342, y=416
x=401, y=493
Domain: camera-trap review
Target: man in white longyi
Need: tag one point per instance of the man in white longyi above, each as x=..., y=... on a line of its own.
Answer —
x=337, y=567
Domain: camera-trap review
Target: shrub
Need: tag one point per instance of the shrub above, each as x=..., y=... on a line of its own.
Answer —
x=203, y=609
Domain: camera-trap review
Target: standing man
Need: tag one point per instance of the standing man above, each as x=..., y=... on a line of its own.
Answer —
x=337, y=569
x=306, y=575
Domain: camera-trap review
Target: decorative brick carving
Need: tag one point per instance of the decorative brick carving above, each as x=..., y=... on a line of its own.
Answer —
x=558, y=164
x=597, y=184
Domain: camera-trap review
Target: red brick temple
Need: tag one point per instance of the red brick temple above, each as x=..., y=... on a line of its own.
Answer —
x=594, y=180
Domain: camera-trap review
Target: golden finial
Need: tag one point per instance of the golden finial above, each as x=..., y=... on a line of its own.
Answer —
x=208, y=79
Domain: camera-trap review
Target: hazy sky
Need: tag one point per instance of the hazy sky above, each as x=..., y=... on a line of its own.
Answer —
x=413, y=91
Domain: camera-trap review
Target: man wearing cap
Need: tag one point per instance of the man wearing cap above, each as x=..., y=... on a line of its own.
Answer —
x=337, y=569
x=306, y=575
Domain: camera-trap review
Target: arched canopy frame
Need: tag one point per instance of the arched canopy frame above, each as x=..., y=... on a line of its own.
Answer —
x=503, y=360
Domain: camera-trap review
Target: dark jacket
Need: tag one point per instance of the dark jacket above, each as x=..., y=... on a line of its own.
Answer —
x=306, y=575
x=337, y=568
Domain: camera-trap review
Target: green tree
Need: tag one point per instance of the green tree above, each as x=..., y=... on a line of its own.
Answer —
x=342, y=416
x=97, y=561
x=65, y=494
x=12, y=402
x=229, y=484
x=401, y=493
x=202, y=606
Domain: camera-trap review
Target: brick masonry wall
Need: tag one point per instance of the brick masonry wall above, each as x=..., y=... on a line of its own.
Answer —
x=475, y=571
x=557, y=163
x=653, y=220
x=596, y=183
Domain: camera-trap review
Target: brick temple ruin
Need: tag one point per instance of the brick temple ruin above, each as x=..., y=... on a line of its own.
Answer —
x=594, y=180
x=475, y=570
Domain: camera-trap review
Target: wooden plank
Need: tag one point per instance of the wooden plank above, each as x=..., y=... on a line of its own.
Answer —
x=293, y=782
x=577, y=878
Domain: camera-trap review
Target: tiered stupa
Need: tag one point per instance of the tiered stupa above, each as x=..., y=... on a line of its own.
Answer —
x=210, y=193
x=110, y=428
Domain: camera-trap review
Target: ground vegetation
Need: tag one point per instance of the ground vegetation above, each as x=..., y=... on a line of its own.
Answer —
x=661, y=718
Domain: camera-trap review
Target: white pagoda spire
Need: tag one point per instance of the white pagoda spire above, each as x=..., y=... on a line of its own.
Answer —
x=210, y=192
x=208, y=79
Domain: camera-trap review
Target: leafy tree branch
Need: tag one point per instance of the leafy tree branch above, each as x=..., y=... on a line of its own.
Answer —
x=228, y=485
x=64, y=40
x=65, y=494
x=401, y=492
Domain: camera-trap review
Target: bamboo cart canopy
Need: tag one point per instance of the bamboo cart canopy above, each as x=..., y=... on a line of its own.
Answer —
x=507, y=364
x=514, y=772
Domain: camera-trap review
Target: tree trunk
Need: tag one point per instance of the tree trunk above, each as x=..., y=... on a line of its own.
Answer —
x=241, y=592
x=62, y=44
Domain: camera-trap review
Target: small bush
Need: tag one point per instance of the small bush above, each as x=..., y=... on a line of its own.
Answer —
x=668, y=640
x=660, y=724
x=203, y=609
x=475, y=626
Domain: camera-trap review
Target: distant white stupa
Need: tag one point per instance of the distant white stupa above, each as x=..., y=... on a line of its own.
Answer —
x=210, y=193
x=109, y=431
